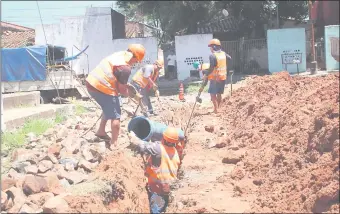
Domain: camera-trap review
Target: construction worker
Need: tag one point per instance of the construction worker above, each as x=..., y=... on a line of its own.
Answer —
x=216, y=74
x=107, y=81
x=161, y=167
x=145, y=79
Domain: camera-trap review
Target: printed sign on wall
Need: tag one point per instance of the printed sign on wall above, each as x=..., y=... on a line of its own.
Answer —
x=287, y=50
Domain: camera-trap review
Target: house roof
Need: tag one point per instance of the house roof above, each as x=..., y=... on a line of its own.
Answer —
x=133, y=28
x=13, y=27
x=17, y=39
x=227, y=25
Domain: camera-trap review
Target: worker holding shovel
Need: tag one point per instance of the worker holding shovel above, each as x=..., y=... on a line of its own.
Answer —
x=161, y=167
x=145, y=79
x=216, y=73
x=107, y=81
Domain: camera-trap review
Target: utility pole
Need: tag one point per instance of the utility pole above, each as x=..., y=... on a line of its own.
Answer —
x=312, y=43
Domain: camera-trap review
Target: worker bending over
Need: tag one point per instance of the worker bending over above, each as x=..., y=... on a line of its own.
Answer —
x=107, y=81
x=216, y=74
x=145, y=79
x=162, y=167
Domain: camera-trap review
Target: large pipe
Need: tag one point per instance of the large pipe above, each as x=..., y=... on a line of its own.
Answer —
x=147, y=130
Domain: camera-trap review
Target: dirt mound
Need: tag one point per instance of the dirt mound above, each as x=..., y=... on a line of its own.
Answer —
x=126, y=176
x=85, y=204
x=289, y=127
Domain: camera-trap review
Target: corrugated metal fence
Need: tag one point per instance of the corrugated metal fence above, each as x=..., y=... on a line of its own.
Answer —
x=248, y=56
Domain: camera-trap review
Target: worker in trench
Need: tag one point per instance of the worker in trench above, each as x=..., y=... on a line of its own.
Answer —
x=216, y=73
x=161, y=167
x=109, y=80
x=145, y=79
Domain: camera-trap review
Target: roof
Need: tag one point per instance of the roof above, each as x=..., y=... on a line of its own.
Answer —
x=227, y=25
x=13, y=27
x=17, y=39
x=136, y=29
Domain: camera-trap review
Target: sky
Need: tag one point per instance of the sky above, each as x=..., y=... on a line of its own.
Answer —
x=25, y=13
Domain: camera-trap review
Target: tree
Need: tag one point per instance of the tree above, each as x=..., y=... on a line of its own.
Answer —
x=183, y=17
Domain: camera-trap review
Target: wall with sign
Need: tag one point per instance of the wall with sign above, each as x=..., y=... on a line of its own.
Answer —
x=332, y=47
x=191, y=48
x=286, y=50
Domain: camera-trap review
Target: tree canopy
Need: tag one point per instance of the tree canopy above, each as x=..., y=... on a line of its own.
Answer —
x=183, y=17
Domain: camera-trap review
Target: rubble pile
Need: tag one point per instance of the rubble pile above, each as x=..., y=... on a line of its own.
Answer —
x=41, y=173
x=289, y=130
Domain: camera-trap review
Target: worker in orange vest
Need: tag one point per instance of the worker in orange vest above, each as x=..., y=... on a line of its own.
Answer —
x=161, y=167
x=217, y=73
x=145, y=79
x=107, y=81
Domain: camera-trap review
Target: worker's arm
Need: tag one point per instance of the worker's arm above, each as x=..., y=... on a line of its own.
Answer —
x=147, y=72
x=122, y=75
x=213, y=63
x=229, y=58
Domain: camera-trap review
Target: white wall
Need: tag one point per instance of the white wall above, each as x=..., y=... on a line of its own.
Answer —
x=191, y=47
x=94, y=30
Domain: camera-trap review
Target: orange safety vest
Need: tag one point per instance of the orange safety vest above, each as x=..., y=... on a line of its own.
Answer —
x=102, y=78
x=220, y=71
x=166, y=173
x=141, y=80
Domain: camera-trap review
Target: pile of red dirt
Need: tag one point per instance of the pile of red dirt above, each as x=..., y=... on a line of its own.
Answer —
x=289, y=128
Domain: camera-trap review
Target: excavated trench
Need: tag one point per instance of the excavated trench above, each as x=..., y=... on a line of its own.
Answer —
x=119, y=178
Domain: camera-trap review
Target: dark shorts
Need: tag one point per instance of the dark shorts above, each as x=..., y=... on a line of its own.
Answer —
x=216, y=87
x=109, y=104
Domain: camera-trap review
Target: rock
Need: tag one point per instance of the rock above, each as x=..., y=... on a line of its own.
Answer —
x=18, y=197
x=73, y=177
x=31, y=137
x=234, y=147
x=56, y=205
x=49, y=132
x=20, y=166
x=54, y=149
x=53, y=184
x=26, y=209
x=62, y=133
x=70, y=162
x=23, y=155
x=232, y=158
x=34, y=184
x=71, y=145
x=40, y=198
x=9, y=204
x=32, y=169
x=220, y=145
x=64, y=183
x=87, y=165
x=4, y=200
x=237, y=174
x=258, y=182
x=87, y=153
x=209, y=128
x=50, y=157
x=32, y=145
x=45, y=165
x=7, y=183
x=98, y=147
x=14, y=174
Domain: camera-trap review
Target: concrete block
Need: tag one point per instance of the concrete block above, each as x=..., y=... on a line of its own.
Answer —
x=15, y=118
x=21, y=99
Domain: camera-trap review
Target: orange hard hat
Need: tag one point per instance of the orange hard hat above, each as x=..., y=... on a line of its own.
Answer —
x=160, y=63
x=170, y=135
x=138, y=51
x=214, y=42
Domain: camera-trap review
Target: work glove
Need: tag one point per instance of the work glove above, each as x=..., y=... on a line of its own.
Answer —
x=138, y=97
x=157, y=93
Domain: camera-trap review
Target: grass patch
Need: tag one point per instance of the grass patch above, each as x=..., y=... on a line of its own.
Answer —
x=16, y=139
x=194, y=88
x=79, y=109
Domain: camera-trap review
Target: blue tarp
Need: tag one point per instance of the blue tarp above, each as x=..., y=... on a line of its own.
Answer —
x=23, y=64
